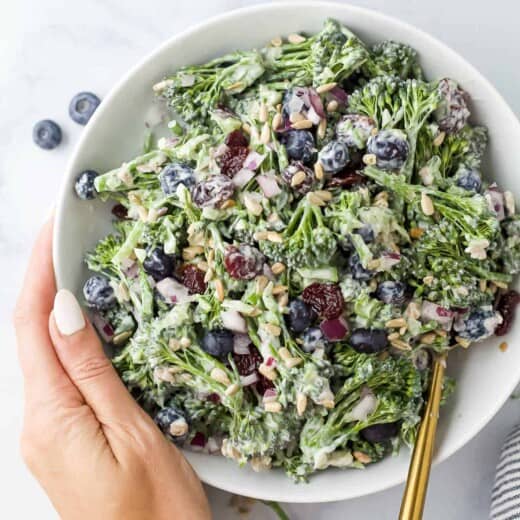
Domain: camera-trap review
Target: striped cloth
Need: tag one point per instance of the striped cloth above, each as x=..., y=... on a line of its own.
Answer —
x=505, y=497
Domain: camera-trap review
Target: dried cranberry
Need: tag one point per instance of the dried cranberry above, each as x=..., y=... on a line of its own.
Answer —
x=324, y=298
x=232, y=160
x=212, y=192
x=248, y=363
x=193, y=278
x=243, y=262
x=236, y=138
x=506, y=307
x=214, y=398
x=346, y=179
x=263, y=384
x=119, y=211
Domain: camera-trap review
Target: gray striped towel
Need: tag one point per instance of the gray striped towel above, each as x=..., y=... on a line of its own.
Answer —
x=505, y=497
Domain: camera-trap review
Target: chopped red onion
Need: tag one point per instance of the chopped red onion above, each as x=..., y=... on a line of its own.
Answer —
x=103, y=327
x=388, y=260
x=270, y=362
x=431, y=311
x=253, y=160
x=249, y=380
x=313, y=116
x=269, y=395
x=268, y=185
x=296, y=104
x=335, y=329
x=242, y=177
x=241, y=344
x=233, y=320
x=339, y=95
x=268, y=272
x=316, y=105
x=172, y=291
x=495, y=200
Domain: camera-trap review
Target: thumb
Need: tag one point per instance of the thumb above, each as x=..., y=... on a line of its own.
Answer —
x=81, y=354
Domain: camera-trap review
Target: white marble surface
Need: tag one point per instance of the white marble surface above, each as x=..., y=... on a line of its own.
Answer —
x=51, y=49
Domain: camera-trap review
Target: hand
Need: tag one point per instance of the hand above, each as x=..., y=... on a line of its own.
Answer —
x=96, y=453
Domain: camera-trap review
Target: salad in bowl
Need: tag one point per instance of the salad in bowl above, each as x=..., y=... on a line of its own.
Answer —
x=287, y=261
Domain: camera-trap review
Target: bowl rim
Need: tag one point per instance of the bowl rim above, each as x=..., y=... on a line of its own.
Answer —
x=229, y=16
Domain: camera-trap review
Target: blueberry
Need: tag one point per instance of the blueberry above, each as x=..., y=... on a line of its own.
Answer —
x=82, y=106
x=84, y=185
x=46, y=134
x=174, y=174
x=469, y=179
x=334, y=156
x=299, y=145
x=98, y=293
x=173, y=424
x=158, y=264
x=300, y=315
x=392, y=292
x=313, y=338
x=368, y=341
x=366, y=233
x=218, y=343
x=380, y=432
x=479, y=324
x=357, y=270
x=390, y=148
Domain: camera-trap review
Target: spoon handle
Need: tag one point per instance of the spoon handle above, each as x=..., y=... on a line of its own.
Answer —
x=414, y=496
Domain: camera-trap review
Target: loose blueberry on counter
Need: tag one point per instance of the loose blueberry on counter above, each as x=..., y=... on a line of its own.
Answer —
x=299, y=145
x=380, y=432
x=84, y=185
x=174, y=174
x=313, y=338
x=392, y=292
x=469, y=179
x=334, y=156
x=390, y=148
x=366, y=233
x=158, y=264
x=218, y=343
x=82, y=106
x=357, y=270
x=173, y=424
x=368, y=341
x=98, y=293
x=46, y=134
x=300, y=316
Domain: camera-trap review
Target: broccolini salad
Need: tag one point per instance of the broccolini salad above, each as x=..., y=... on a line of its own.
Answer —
x=285, y=264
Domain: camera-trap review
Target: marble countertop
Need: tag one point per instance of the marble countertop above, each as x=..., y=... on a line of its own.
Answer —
x=51, y=50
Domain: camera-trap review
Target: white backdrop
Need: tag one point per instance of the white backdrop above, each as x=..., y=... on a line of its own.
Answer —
x=51, y=49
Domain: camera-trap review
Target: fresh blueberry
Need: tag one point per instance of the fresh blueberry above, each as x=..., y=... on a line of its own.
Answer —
x=84, y=185
x=299, y=145
x=98, y=293
x=357, y=270
x=46, y=134
x=380, y=432
x=173, y=424
x=82, y=106
x=478, y=324
x=313, y=338
x=218, y=343
x=158, y=264
x=366, y=233
x=300, y=316
x=174, y=174
x=334, y=156
x=469, y=179
x=368, y=341
x=390, y=148
x=392, y=292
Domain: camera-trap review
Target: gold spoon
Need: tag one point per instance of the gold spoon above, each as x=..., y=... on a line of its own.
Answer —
x=412, y=505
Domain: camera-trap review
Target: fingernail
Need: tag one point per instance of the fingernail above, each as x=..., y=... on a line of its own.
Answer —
x=67, y=313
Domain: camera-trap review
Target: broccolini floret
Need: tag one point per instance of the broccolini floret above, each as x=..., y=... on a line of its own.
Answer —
x=390, y=58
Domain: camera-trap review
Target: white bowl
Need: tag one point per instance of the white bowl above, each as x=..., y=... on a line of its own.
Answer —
x=486, y=376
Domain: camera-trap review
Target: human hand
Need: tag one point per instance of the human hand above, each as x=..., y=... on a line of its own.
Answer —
x=95, y=452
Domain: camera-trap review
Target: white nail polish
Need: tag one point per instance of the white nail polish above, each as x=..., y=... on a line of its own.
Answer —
x=67, y=313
